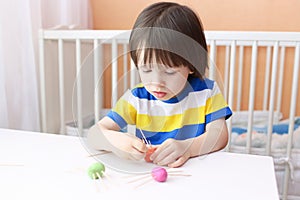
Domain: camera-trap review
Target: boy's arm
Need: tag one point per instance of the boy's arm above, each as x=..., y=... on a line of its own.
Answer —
x=96, y=137
x=215, y=138
x=105, y=135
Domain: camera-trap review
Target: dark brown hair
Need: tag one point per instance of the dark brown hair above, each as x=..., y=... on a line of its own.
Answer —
x=171, y=33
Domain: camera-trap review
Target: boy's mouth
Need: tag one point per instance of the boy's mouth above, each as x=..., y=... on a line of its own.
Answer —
x=159, y=94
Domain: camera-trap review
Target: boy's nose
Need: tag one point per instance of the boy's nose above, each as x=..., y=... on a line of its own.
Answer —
x=158, y=80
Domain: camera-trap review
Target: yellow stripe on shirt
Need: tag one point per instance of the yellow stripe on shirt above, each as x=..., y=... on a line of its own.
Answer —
x=217, y=101
x=170, y=123
x=126, y=111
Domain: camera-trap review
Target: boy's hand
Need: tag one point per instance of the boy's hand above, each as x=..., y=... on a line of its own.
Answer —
x=128, y=146
x=172, y=153
x=124, y=145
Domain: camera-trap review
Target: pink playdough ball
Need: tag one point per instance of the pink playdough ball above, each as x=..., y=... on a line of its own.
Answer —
x=159, y=174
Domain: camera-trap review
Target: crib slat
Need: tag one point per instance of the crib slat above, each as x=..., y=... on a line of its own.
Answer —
x=231, y=85
x=78, y=87
x=212, y=66
x=251, y=95
x=280, y=81
x=61, y=85
x=267, y=78
x=232, y=74
x=42, y=81
x=132, y=74
x=114, y=71
x=272, y=98
x=125, y=67
x=292, y=116
x=226, y=73
x=240, y=78
x=97, y=86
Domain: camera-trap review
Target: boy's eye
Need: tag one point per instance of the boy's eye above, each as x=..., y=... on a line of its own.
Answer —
x=146, y=70
x=170, y=71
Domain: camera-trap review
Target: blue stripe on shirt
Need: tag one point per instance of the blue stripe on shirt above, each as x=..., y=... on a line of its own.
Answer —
x=224, y=112
x=188, y=131
x=117, y=118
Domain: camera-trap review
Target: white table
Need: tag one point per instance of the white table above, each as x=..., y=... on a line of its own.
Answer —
x=48, y=166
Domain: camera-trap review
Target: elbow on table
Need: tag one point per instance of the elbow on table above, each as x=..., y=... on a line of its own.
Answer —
x=92, y=136
x=224, y=139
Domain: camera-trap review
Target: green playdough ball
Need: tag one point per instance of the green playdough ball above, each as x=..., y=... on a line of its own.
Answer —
x=95, y=170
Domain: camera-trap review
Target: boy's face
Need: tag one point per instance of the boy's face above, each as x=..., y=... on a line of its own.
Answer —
x=163, y=82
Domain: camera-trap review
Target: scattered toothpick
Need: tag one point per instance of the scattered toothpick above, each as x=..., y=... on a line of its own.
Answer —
x=11, y=165
x=99, y=153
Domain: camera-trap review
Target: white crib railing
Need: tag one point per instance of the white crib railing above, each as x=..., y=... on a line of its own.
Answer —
x=235, y=47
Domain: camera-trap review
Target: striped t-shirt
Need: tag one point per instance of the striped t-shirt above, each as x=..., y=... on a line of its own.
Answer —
x=181, y=117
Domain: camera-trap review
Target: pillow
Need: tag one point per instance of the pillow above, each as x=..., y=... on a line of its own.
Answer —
x=260, y=118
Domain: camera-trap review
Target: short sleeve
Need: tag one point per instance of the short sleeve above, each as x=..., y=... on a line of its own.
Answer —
x=216, y=107
x=124, y=112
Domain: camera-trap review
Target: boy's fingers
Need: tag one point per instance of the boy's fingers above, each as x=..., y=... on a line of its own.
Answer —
x=137, y=155
x=139, y=145
x=179, y=162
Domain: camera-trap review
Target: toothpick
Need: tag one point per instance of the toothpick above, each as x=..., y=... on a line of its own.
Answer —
x=96, y=186
x=179, y=174
x=134, y=175
x=150, y=144
x=144, y=137
x=174, y=170
x=98, y=154
x=143, y=183
x=100, y=178
x=109, y=178
x=139, y=178
x=11, y=165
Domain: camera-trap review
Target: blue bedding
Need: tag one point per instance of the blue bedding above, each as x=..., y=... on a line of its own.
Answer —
x=278, y=128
